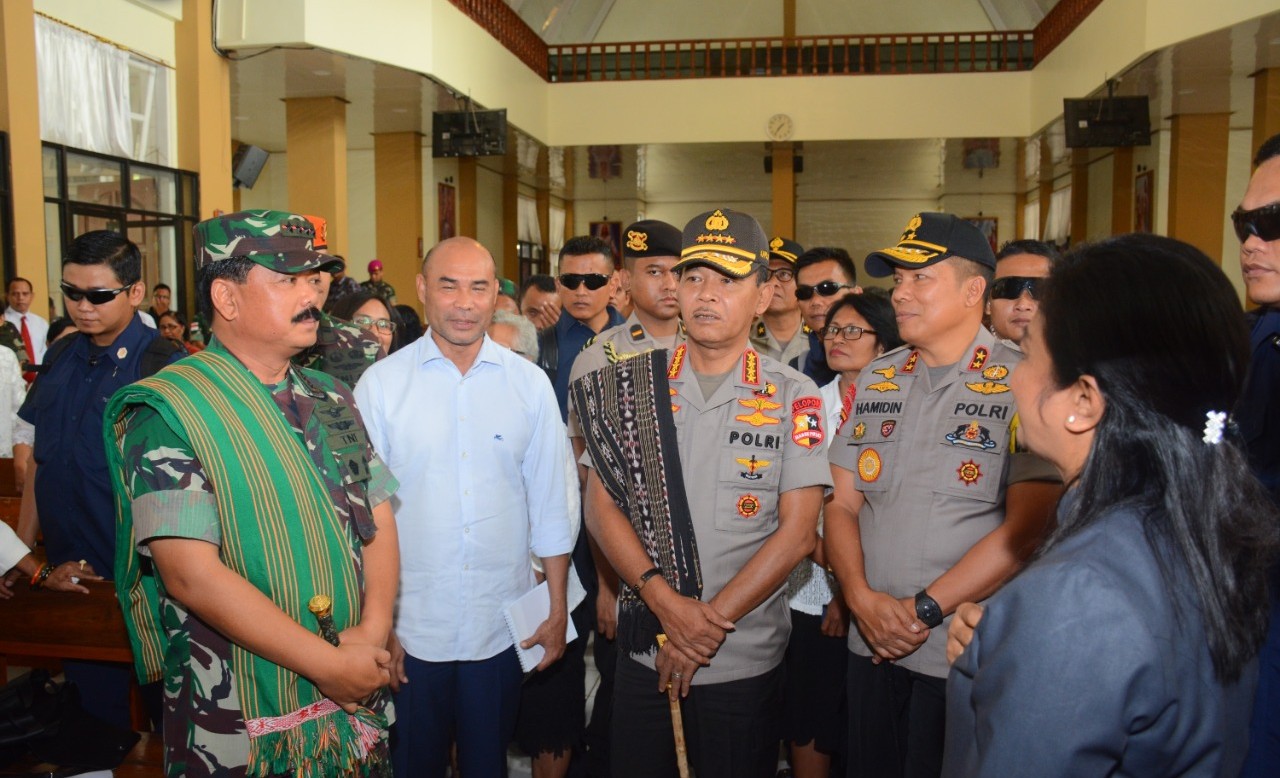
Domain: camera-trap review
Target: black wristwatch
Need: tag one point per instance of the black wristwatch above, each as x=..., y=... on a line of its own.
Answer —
x=928, y=610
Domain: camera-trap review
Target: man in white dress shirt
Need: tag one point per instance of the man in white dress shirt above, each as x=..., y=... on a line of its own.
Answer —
x=473, y=433
x=19, y=313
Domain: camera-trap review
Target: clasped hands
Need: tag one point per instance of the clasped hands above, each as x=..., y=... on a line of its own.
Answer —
x=887, y=624
x=695, y=631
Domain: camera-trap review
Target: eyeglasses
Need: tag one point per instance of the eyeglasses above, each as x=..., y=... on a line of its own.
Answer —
x=848, y=332
x=1012, y=287
x=1263, y=222
x=96, y=296
x=826, y=289
x=594, y=281
x=370, y=323
x=783, y=274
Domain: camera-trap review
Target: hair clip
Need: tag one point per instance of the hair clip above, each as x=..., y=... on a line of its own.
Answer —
x=1214, y=423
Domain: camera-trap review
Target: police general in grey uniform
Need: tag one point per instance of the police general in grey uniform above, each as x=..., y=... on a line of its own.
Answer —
x=934, y=504
x=780, y=332
x=751, y=445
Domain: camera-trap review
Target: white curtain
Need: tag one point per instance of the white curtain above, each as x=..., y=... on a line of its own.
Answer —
x=1031, y=221
x=555, y=225
x=84, y=90
x=527, y=220
x=1057, y=225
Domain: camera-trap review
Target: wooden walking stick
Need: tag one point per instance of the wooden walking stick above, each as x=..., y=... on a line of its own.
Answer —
x=677, y=724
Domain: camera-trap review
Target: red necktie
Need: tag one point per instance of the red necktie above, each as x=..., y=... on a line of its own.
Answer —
x=31, y=352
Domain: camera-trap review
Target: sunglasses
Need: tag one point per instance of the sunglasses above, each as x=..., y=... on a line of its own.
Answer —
x=1263, y=222
x=95, y=296
x=593, y=281
x=783, y=274
x=849, y=332
x=826, y=289
x=1012, y=287
x=368, y=322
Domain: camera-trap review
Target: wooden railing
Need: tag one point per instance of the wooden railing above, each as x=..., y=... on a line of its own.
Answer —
x=965, y=52
x=1060, y=22
x=506, y=26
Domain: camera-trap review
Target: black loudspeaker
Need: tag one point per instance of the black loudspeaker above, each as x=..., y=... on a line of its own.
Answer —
x=247, y=165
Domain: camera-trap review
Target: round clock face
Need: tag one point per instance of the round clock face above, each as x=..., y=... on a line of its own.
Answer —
x=780, y=126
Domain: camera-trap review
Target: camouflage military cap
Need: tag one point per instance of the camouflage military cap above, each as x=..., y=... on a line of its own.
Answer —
x=279, y=241
x=728, y=241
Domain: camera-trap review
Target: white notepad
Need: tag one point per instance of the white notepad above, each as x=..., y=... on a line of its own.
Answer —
x=523, y=619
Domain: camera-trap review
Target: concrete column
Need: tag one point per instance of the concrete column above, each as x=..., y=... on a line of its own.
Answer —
x=1198, y=180
x=1266, y=106
x=1122, y=190
x=784, y=190
x=20, y=117
x=397, y=193
x=508, y=260
x=1046, y=185
x=467, y=197
x=204, y=108
x=316, y=141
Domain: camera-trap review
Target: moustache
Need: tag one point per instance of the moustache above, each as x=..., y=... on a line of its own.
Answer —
x=312, y=313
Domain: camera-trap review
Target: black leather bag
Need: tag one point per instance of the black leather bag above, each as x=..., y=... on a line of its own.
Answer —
x=43, y=719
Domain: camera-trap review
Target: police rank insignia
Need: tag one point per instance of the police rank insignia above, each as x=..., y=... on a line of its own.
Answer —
x=637, y=332
x=859, y=430
x=886, y=385
x=748, y=506
x=971, y=435
x=979, y=358
x=758, y=406
x=969, y=472
x=674, y=408
x=752, y=465
x=869, y=465
x=910, y=365
x=806, y=418
x=637, y=240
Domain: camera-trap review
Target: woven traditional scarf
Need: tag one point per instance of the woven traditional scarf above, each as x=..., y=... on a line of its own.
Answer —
x=280, y=532
x=625, y=413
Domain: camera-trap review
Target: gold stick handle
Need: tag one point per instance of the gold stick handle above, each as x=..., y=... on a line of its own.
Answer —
x=321, y=606
x=677, y=725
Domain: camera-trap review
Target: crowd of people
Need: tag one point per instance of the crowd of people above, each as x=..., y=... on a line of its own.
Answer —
x=1016, y=515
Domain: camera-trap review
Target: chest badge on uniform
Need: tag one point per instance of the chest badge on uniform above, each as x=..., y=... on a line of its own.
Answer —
x=768, y=390
x=869, y=465
x=753, y=465
x=886, y=385
x=748, y=506
x=859, y=431
x=987, y=387
x=806, y=418
x=886, y=427
x=122, y=352
x=969, y=472
x=757, y=417
x=971, y=435
x=996, y=373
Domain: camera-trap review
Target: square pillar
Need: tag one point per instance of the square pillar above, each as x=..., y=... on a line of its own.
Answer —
x=203, y=108
x=1198, y=180
x=316, y=141
x=20, y=117
x=397, y=192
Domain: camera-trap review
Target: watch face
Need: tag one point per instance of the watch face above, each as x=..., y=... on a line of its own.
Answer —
x=928, y=611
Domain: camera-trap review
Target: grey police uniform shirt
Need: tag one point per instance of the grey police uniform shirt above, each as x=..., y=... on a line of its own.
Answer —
x=933, y=463
x=625, y=340
x=763, y=341
x=761, y=433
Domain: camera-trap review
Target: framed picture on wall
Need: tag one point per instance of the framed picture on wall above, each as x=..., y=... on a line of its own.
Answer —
x=611, y=233
x=446, y=205
x=990, y=227
x=1144, y=198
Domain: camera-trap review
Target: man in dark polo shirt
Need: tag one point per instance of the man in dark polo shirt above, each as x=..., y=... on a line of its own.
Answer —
x=68, y=488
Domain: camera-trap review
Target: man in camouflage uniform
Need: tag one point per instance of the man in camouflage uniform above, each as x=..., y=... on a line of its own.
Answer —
x=376, y=286
x=342, y=349
x=248, y=503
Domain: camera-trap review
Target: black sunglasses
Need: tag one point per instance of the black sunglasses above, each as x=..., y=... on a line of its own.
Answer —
x=826, y=289
x=1263, y=222
x=96, y=296
x=1012, y=287
x=593, y=281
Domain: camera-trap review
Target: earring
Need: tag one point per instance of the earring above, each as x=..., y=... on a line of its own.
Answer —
x=1071, y=420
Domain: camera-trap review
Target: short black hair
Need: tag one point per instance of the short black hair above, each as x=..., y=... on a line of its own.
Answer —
x=588, y=244
x=875, y=306
x=235, y=269
x=1270, y=149
x=19, y=279
x=107, y=247
x=543, y=282
x=160, y=286
x=829, y=254
x=1028, y=246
